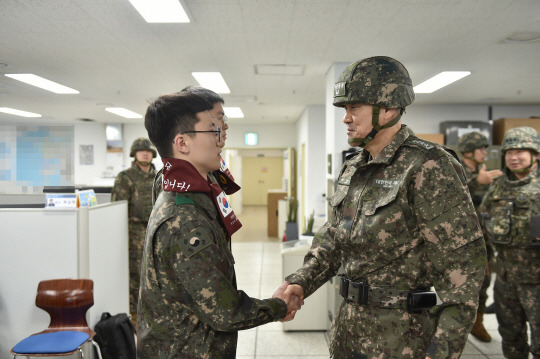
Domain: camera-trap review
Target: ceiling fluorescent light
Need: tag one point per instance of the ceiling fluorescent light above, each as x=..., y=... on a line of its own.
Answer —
x=233, y=112
x=212, y=81
x=161, y=11
x=40, y=82
x=438, y=81
x=123, y=112
x=15, y=112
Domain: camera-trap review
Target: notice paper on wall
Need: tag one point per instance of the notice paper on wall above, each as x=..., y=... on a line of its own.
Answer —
x=86, y=198
x=60, y=200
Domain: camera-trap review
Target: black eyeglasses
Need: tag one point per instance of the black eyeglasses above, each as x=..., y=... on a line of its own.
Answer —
x=217, y=130
x=224, y=119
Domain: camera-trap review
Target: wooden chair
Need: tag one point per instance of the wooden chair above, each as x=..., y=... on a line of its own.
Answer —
x=66, y=301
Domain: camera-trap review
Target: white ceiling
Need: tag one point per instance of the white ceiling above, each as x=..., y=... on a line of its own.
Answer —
x=105, y=49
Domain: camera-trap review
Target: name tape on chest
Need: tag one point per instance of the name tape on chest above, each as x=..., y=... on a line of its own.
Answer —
x=385, y=183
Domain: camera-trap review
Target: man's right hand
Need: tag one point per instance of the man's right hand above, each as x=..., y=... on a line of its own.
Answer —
x=293, y=297
x=486, y=177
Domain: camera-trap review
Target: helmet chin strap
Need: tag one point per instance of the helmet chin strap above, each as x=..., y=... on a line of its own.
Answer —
x=363, y=141
x=143, y=163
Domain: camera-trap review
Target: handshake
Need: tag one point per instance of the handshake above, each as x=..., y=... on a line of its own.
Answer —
x=293, y=296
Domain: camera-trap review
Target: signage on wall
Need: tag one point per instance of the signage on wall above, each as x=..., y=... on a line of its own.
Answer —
x=251, y=139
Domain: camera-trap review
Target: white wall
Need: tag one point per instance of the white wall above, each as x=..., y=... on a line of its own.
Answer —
x=426, y=119
x=281, y=135
x=310, y=131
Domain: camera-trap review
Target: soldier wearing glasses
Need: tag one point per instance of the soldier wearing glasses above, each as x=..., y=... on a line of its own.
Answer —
x=189, y=305
x=222, y=176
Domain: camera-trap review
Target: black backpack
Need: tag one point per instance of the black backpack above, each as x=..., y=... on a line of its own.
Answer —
x=115, y=335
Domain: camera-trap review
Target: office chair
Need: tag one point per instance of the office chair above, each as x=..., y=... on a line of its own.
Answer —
x=66, y=301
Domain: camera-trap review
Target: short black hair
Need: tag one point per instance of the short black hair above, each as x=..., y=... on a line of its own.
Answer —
x=209, y=95
x=170, y=115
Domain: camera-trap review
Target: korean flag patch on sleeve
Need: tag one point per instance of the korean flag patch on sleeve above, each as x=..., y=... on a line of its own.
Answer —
x=224, y=205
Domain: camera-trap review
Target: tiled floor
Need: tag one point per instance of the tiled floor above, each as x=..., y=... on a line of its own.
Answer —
x=258, y=268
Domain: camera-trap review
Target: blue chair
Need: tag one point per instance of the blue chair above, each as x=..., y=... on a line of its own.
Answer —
x=66, y=301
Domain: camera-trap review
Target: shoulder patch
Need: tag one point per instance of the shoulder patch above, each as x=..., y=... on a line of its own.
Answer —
x=180, y=200
x=194, y=244
x=421, y=143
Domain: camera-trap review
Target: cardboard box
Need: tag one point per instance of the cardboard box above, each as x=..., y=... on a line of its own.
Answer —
x=502, y=125
x=432, y=137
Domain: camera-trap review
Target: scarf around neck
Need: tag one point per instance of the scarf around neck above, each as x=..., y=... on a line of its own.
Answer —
x=180, y=176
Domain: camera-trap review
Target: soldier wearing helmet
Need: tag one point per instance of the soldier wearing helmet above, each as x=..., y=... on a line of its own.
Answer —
x=402, y=222
x=473, y=147
x=135, y=186
x=511, y=213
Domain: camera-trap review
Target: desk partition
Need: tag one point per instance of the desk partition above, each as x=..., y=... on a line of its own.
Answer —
x=38, y=244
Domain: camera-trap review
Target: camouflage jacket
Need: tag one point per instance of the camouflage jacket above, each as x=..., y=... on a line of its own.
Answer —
x=511, y=211
x=135, y=186
x=403, y=220
x=189, y=306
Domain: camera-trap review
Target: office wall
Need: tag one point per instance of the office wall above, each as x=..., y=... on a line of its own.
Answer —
x=270, y=136
x=310, y=131
x=421, y=118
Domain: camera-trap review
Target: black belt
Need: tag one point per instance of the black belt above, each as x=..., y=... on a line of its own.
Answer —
x=364, y=294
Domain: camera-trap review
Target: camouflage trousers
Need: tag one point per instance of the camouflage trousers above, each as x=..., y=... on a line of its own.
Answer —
x=515, y=305
x=137, y=232
x=363, y=332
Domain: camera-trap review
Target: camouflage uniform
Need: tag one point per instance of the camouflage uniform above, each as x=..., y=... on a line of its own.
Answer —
x=400, y=222
x=468, y=143
x=180, y=317
x=135, y=186
x=477, y=192
x=512, y=221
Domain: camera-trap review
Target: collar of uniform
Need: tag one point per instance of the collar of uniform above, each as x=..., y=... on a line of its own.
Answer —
x=388, y=153
x=512, y=180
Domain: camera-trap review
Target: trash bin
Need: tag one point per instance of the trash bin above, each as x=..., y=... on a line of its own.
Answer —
x=314, y=312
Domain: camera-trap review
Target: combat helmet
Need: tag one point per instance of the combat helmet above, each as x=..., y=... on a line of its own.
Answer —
x=380, y=81
x=471, y=141
x=142, y=144
x=521, y=138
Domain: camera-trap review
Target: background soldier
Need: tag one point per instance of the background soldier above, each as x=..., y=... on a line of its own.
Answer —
x=135, y=186
x=402, y=221
x=512, y=222
x=473, y=147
